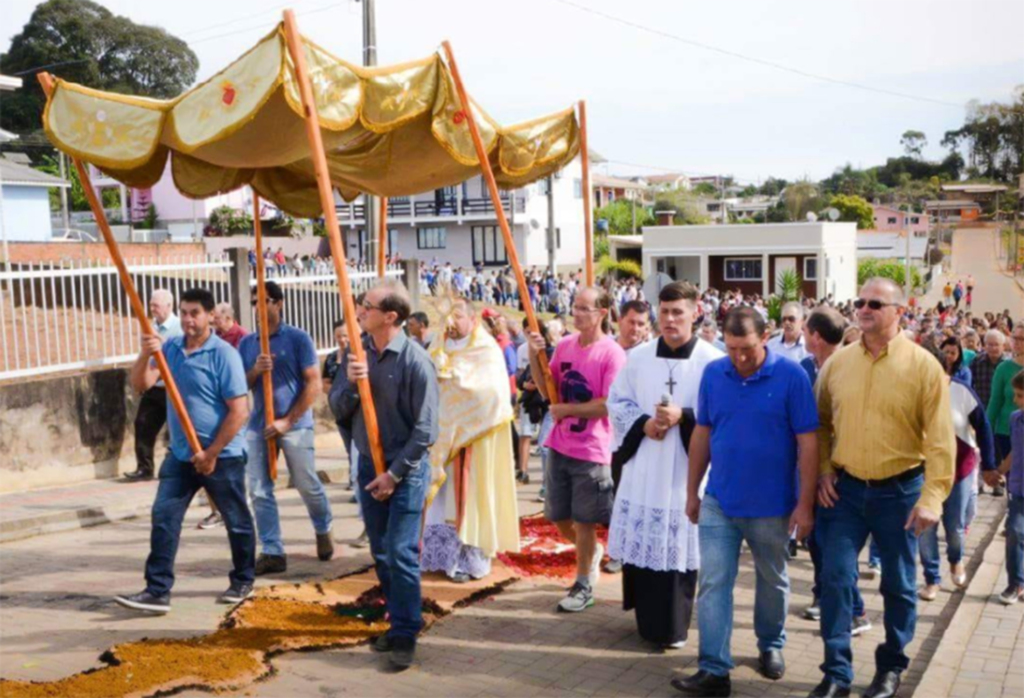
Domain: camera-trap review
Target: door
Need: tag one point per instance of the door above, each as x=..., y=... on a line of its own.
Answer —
x=784, y=264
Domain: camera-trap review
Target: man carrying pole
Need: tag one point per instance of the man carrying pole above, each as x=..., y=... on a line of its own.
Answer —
x=295, y=370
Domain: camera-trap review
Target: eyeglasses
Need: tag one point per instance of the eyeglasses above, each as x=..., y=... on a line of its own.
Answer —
x=578, y=309
x=789, y=318
x=873, y=304
x=367, y=305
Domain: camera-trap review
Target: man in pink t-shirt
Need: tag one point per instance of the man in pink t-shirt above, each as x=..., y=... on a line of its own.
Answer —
x=578, y=479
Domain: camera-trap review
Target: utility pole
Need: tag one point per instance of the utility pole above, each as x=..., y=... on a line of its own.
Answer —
x=370, y=204
x=907, y=278
x=65, y=216
x=552, y=235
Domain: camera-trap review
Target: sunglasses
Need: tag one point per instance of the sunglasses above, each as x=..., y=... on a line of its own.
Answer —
x=789, y=318
x=873, y=304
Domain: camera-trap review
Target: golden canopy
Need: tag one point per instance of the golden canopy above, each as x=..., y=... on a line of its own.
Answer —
x=390, y=131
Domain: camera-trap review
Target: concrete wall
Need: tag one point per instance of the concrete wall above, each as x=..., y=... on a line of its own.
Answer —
x=72, y=428
x=26, y=213
x=29, y=252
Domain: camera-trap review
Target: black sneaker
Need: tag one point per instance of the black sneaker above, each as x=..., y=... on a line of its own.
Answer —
x=236, y=594
x=403, y=652
x=324, y=546
x=146, y=602
x=138, y=476
x=382, y=644
x=271, y=564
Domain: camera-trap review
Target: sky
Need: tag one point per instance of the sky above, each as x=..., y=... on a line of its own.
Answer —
x=656, y=100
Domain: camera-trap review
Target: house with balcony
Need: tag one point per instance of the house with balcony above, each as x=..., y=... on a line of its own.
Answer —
x=608, y=190
x=458, y=224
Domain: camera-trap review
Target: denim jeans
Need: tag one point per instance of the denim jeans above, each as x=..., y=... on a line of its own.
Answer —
x=297, y=448
x=954, y=518
x=814, y=548
x=720, y=539
x=881, y=512
x=179, y=483
x=1015, y=541
x=393, y=527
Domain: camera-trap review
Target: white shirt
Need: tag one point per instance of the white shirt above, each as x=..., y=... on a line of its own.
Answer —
x=794, y=352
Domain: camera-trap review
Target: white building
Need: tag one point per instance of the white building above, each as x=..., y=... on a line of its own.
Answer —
x=750, y=257
x=458, y=224
x=25, y=202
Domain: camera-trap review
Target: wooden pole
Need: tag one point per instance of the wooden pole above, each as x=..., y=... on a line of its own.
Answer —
x=588, y=218
x=382, y=239
x=261, y=312
x=506, y=232
x=323, y=181
x=46, y=80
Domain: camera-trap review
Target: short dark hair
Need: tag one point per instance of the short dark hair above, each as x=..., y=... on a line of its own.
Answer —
x=199, y=295
x=420, y=317
x=338, y=323
x=954, y=342
x=678, y=291
x=638, y=307
x=740, y=321
x=1017, y=382
x=940, y=357
x=828, y=324
x=395, y=300
x=274, y=291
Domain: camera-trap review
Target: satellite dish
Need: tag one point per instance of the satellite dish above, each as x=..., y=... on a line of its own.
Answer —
x=535, y=224
x=833, y=214
x=812, y=217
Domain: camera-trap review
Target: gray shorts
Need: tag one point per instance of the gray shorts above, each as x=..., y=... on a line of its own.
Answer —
x=577, y=490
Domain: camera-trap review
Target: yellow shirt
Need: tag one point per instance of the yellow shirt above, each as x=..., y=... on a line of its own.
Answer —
x=881, y=417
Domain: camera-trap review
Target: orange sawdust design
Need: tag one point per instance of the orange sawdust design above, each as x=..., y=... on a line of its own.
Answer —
x=543, y=551
x=281, y=618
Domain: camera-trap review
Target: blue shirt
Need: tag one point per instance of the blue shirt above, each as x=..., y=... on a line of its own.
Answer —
x=811, y=367
x=206, y=378
x=293, y=353
x=754, y=422
x=1016, y=478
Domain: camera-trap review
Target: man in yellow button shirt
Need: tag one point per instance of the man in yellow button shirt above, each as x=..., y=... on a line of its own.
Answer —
x=887, y=459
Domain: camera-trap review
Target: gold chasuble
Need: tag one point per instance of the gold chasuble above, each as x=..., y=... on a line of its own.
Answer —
x=473, y=450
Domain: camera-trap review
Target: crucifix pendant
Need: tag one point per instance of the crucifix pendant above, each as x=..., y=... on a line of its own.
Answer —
x=671, y=383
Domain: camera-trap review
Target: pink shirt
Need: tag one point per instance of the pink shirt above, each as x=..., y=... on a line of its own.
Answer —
x=583, y=374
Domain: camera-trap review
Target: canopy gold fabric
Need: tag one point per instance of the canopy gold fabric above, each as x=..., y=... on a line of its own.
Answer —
x=390, y=131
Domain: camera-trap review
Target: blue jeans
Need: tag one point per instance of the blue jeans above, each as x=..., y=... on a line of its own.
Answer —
x=720, y=538
x=179, y=483
x=1015, y=541
x=881, y=512
x=393, y=527
x=954, y=518
x=297, y=447
x=814, y=548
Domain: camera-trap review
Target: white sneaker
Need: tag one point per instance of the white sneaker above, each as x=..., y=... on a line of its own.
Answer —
x=595, y=566
x=579, y=599
x=675, y=645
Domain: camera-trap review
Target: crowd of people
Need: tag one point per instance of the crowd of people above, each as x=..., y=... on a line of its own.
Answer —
x=701, y=424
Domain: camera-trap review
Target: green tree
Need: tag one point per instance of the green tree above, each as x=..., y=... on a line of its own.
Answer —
x=772, y=187
x=854, y=209
x=889, y=269
x=110, y=197
x=84, y=42
x=800, y=199
x=705, y=189
x=619, y=215
x=686, y=205
x=913, y=143
x=993, y=138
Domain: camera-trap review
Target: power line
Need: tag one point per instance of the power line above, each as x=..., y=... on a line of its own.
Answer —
x=753, y=59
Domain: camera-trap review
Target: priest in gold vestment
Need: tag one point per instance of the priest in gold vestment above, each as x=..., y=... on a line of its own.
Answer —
x=472, y=513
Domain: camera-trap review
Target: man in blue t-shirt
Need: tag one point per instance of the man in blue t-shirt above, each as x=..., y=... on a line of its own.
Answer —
x=211, y=381
x=756, y=413
x=295, y=368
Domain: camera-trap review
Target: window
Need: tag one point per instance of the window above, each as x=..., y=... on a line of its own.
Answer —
x=431, y=238
x=810, y=268
x=542, y=187
x=915, y=220
x=611, y=195
x=743, y=269
x=577, y=188
x=891, y=220
x=488, y=246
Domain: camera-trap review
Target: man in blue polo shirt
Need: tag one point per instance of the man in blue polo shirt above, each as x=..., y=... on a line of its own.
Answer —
x=756, y=413
x=210, y=378
x=296, y=378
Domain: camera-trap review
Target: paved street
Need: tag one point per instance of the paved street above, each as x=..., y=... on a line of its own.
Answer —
x=975, y=251
x=56, y=619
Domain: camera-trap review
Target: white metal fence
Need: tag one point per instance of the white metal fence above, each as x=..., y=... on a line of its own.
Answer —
x=74, y=315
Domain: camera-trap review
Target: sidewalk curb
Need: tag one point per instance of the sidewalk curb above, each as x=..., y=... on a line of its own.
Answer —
x=86, y=517
x=944, y=665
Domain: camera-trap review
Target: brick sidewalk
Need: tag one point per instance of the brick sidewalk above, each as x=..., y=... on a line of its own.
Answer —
x=56, y=618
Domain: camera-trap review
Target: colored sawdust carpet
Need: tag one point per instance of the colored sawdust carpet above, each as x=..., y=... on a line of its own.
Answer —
x=315, y=615
x=287, y=617
x=543, y=550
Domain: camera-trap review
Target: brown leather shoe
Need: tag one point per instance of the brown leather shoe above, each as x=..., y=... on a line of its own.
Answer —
x=324, y=546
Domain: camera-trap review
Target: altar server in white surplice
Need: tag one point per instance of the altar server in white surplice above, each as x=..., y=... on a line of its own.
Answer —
x=652, y=406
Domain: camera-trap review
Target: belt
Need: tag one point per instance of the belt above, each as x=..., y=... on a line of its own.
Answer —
x=902, y=477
